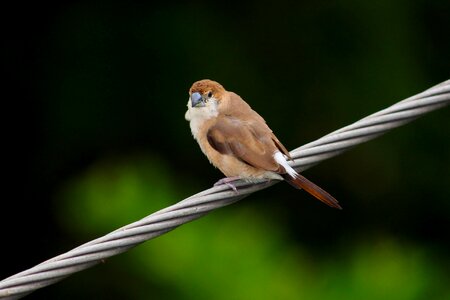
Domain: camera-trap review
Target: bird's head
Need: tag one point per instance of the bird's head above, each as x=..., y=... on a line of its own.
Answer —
x=205, y=93
x=205, y=99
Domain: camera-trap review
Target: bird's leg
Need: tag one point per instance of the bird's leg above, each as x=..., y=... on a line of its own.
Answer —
x=228, y=181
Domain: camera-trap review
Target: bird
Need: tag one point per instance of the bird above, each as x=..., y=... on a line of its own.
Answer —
x=237, y=140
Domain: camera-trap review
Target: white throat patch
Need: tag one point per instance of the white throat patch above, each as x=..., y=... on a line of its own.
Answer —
x=198, y=115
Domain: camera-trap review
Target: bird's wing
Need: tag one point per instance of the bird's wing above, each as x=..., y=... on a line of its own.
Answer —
x=249, y=142
x=242, y=110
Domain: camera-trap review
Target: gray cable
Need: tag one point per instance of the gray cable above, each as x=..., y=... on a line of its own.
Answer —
x=196, y=206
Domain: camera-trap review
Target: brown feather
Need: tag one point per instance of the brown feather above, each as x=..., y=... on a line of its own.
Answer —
x=240, y=109
x=301, y=182
x=248, y=143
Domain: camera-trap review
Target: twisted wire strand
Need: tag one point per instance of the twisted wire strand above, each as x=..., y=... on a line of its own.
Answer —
x=196, y=206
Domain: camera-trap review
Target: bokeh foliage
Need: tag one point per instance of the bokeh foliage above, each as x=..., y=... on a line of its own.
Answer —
x=238, y=255
x=96, y=139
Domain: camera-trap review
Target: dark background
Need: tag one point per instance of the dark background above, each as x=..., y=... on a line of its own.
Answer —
x=93, y=102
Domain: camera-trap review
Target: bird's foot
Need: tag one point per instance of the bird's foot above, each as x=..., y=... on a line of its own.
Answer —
x=228, y=181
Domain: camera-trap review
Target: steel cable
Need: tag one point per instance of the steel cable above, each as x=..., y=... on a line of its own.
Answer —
x=196, y=206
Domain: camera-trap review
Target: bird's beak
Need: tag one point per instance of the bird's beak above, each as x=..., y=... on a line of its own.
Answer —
x=197, y=100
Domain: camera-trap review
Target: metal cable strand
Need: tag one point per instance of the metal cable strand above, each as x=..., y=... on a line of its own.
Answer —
x=196, y=206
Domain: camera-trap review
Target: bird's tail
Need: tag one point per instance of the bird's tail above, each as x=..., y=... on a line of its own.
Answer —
x=300, y=182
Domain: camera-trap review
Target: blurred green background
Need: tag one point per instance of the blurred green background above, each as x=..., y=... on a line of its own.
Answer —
x=95, y=138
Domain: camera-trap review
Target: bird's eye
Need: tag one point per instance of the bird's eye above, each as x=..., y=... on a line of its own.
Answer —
x=209, y=94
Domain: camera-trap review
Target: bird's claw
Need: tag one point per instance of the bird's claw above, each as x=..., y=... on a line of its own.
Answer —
x=228, y=181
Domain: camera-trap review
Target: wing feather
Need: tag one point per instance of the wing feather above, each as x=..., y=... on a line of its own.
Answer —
x=244, y=140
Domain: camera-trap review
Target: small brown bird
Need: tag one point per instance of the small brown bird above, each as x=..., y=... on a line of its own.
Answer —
x=238, y=142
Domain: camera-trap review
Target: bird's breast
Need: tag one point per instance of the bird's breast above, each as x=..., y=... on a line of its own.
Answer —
x=199, y=119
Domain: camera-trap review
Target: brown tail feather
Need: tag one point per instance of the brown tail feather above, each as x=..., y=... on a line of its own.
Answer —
x=300, y=182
